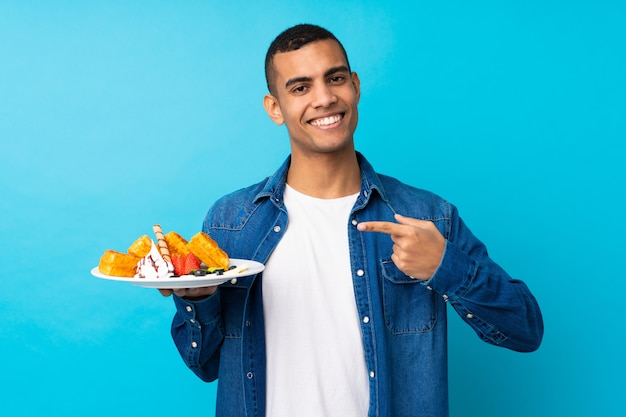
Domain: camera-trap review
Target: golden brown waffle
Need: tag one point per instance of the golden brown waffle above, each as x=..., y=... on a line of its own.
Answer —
x=118, y=264
x=207, y=250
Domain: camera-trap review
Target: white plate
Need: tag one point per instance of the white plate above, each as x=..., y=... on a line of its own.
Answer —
x=190, y=281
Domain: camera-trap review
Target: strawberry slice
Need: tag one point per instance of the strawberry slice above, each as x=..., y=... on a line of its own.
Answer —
x=179, y=264
x=191, y=262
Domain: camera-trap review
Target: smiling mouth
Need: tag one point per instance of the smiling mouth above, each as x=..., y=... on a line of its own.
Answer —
x=327, y=121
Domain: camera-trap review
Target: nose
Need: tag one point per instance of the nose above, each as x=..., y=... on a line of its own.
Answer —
x=323, y=96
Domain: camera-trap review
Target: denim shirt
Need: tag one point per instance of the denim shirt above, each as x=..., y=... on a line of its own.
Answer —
x=403, y=320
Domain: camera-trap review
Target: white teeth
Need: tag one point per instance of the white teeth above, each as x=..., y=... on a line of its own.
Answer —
x=325, y=121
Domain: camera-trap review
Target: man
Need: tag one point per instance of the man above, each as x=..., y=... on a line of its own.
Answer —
x=342, y=322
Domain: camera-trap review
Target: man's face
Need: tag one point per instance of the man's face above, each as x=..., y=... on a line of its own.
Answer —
x=316, y=97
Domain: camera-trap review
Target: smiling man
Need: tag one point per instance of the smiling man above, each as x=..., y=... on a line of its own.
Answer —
x=342, y=321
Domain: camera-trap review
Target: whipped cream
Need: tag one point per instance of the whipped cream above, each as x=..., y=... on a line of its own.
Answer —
x=153, y=266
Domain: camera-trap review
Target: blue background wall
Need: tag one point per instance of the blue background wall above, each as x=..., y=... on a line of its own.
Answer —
x=117, y=115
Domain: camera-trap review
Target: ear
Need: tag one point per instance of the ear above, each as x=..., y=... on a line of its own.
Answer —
x=272, y=107
x=357, y=85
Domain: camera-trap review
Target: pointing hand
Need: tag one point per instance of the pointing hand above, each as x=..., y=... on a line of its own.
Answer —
x=418, y=245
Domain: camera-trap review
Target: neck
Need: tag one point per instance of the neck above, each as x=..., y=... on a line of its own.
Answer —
x=325, y=175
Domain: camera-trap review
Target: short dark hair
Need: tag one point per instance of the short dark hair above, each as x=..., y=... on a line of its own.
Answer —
x=292, y=39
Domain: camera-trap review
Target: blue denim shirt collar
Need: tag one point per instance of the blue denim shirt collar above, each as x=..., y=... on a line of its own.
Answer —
x=275, y=185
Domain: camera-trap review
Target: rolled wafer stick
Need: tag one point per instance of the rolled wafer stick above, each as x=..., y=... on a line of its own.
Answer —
x=165, y=253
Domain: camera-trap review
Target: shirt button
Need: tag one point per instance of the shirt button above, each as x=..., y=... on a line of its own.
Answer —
x=365, y=193
x=248, y=323
x=470, y=316
x=372, y=374
x=277, y=229
x=233, y=281
x=360, y=272
x=189, y=309
x=249, y=375
x=354, y=222
x=445, y=297
x=194, y=344
x=366, y=319
x=192, y=321
x=429, y=288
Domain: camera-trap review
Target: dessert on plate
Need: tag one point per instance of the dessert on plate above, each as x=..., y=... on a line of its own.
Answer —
x=171, y=256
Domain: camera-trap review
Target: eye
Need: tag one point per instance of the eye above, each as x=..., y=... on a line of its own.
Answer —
x=299, y=89
x=337, y=79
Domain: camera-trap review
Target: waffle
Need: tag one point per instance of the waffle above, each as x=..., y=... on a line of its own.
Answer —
x=141, y=246
x=207, y=250
x=118, y=264
x=176, y=244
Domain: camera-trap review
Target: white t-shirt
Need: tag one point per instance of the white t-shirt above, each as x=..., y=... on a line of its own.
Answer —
x=315, y=360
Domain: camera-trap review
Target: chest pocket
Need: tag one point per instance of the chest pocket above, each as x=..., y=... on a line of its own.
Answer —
x=409, y=307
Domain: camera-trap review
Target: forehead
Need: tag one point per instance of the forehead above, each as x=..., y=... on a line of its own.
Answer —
x=309, y=61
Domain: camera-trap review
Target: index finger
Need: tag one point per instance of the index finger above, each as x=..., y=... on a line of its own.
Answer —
x=389, y=228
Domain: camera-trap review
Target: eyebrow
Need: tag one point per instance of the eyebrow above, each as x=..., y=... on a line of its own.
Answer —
x=328, y=73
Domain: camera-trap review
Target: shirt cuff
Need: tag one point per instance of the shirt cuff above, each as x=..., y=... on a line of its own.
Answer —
x=203, y=311
x=454, y=274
